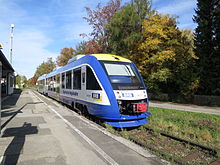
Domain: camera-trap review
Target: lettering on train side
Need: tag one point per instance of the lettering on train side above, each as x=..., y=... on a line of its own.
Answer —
x=72, y=93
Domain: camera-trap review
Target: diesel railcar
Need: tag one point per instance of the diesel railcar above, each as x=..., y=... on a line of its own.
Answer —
x=104, y=85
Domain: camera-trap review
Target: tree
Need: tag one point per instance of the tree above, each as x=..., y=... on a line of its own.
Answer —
x=65, y=55
x=24, y=81
x=125, y=27
x=43, y=68
x=18, y=81
x=31, y=82
x=216, y=20
x=184, y=75
x=156, y=52
x=207, y=17
x=98, y=19
x=142, y=8
x=123, y=31
x=165, y=55
x=92, y=46
x=80, y=48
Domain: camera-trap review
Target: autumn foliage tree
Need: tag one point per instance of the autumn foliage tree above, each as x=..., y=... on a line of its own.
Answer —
x=65, y=55
x=92, y=46
x=157, y=49
x=164, y=52
x=43, y=68
x=98, y=19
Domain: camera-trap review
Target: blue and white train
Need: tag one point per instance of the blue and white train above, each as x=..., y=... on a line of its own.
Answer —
x=104, y=85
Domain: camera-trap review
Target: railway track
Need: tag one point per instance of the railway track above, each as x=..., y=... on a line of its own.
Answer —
x=171, y=148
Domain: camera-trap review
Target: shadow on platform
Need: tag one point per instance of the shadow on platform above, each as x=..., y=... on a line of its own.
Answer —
x=13, y=113
x=14, y=149
x=11, y=102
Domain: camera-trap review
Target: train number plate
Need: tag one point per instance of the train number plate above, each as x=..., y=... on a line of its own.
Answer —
x=127, y=95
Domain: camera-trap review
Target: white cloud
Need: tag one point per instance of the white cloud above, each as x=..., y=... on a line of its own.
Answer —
x=29, y=51
x=178, y=7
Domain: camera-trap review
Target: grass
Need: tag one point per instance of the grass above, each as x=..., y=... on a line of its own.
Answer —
x=201, y=128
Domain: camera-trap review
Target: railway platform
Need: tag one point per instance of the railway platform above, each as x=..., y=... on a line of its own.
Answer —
x=37, y=130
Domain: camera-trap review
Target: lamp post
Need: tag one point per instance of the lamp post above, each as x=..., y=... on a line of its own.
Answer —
x=11, y=43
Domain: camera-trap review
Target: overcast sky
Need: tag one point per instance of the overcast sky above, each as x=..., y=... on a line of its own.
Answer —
x=44, y=27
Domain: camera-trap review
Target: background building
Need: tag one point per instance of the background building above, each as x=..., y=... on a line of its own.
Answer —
x=7, y=76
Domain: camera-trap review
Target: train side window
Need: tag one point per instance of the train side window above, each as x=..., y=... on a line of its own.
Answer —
x=49, y=87
x=68, y=80
x=77, y=79
x=91, y=83
x=58, y=79
x=51, y=83
x=58, y=83
x=63, y=80
x=54, y=83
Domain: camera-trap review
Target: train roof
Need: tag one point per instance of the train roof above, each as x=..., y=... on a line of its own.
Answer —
x=41, y=77
x=71, y=63
x=110, y=57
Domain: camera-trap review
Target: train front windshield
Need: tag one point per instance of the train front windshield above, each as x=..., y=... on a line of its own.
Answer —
x=122, y=75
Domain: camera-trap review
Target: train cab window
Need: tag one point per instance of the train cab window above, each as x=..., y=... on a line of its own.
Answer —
x=63, y=80
x=68, y=80
x=91, y=83
x=77, y=79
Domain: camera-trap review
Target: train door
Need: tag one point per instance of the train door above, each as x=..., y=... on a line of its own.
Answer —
x=58, y=87
x=83, y=80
